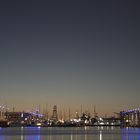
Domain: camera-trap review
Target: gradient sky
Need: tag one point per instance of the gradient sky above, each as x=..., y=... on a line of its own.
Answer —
x=70, y=53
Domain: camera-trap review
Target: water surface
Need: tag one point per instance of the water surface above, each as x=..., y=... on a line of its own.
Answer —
x=69, y=133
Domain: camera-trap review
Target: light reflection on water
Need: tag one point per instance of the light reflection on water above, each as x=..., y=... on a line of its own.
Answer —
x=131, y=134
x=71, y=133
x=100, y=135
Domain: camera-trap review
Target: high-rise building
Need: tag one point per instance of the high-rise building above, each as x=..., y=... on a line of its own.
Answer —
x=54, y=115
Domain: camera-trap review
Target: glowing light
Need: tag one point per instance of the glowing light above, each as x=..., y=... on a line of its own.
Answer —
x=101, y=123
x=100, y=119
x=38, y=124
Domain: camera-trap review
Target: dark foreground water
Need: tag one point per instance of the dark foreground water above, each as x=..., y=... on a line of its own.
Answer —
x=70, y=133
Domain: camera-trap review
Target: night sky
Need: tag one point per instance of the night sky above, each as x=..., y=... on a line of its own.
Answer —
x=70, y=53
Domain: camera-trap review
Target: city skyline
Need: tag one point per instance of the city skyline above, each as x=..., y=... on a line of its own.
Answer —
x=70, y=54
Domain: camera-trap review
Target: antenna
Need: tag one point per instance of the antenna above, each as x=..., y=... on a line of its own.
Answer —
x=95, y=114
x=81, y=110
x=69, y=115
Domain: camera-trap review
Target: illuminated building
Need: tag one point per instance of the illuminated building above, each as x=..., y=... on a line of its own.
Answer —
x=18, y=118
x=54, y=115
x=3, y=109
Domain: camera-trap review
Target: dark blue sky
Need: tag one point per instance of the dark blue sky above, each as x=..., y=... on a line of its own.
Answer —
x=70, y=53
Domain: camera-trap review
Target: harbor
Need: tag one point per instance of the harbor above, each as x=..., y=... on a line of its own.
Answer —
x=36, y=119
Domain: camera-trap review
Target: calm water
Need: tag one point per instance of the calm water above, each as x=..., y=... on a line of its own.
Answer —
x=73, y=133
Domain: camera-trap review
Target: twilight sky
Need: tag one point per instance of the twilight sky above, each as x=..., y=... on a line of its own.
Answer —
x=70, y=53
